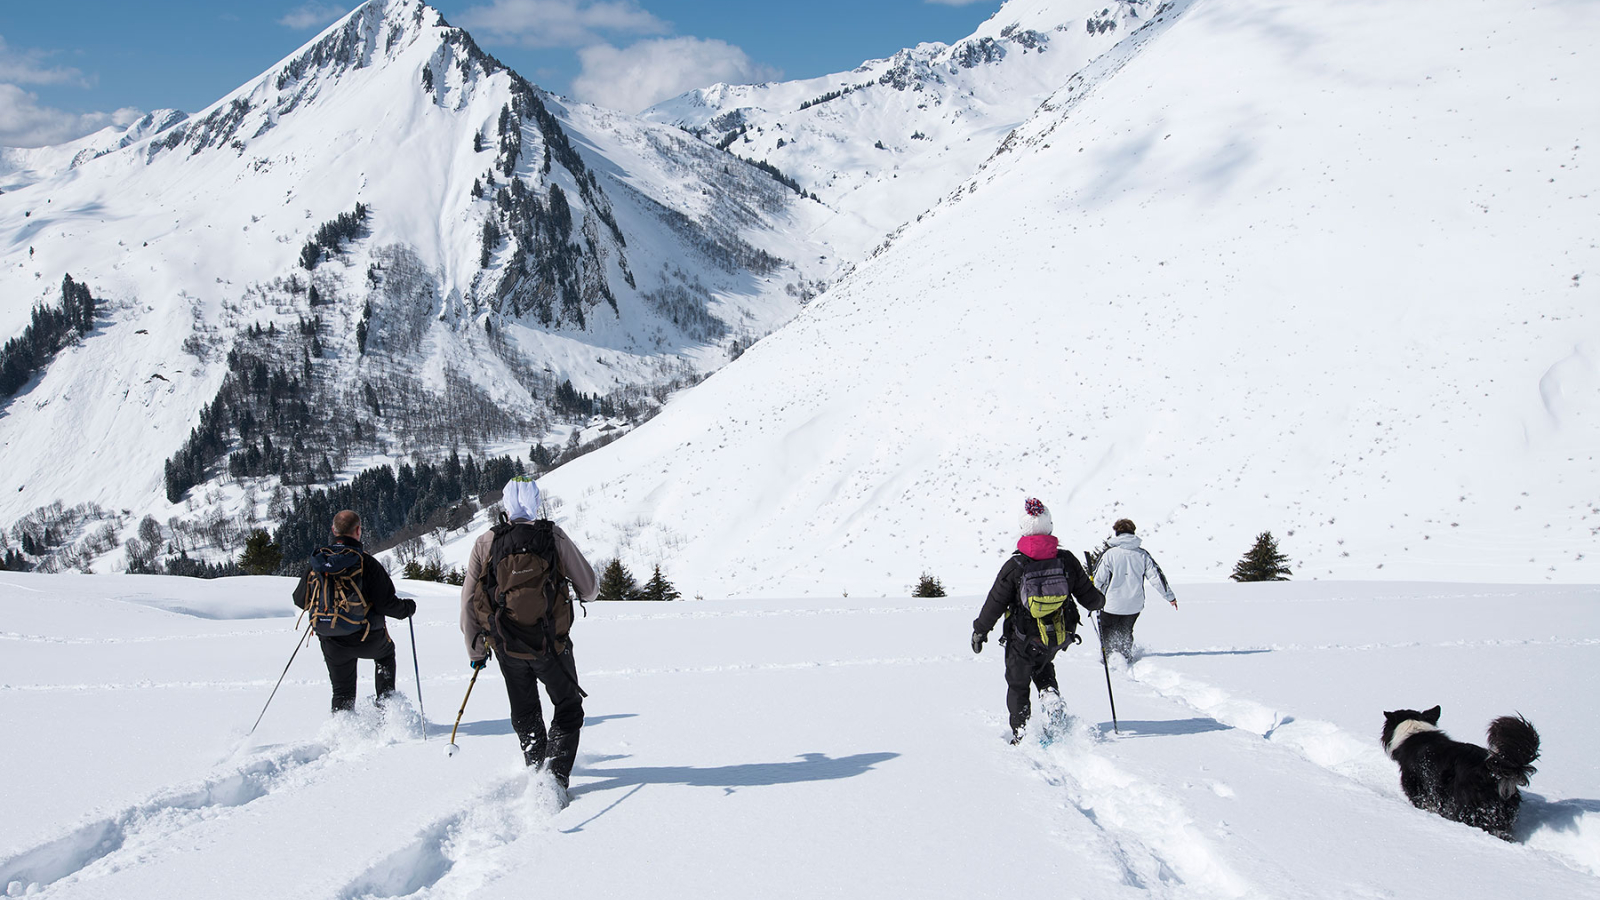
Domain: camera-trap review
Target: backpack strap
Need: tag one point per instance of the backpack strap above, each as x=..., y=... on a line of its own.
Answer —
x=553, y=588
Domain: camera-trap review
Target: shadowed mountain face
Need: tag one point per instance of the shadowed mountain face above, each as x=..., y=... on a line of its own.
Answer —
x=388, y=244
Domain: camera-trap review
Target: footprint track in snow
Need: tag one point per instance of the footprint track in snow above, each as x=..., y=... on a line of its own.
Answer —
x=134, y=835
x=134, y=829
x=460, y=853
x=1148, y=832
x=1567, y=829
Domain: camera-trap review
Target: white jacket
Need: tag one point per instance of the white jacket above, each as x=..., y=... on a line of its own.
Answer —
x=1121, y=573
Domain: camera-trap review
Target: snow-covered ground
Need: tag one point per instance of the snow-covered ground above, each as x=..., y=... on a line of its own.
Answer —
x=841, y=747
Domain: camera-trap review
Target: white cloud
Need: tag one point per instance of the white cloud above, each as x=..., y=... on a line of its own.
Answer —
x=559, y=23
x=650, y=71
x=312, y=15
x=29, y=67
x=24, y=123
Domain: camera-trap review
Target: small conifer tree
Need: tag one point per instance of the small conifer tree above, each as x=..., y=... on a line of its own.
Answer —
x=1092, y=557
x=412, y=571
x=658, y=588
x=261, y=556
x=616, y=582
x=1263, y=562
x=928, y=586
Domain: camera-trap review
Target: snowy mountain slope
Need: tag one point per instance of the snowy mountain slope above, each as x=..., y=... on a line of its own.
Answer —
x=491, y=265
x=21, y=167
x=1340, y=288
x=880, y=143
x=852, y=748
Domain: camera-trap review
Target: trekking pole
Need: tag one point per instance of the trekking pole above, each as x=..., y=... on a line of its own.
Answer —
x=421, y=710
x=301, y=642
x=1107, y=666
x=451, y=749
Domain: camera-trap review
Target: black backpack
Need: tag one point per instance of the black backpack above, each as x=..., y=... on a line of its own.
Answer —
x=530, y=608
x=333, y=592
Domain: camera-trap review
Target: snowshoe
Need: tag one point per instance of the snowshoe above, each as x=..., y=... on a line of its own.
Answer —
x=1056, y=721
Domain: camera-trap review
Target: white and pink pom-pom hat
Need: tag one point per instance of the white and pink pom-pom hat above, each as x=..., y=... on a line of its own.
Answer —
x=1035, y=518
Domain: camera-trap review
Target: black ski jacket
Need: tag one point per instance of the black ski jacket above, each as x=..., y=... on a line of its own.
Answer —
x=1006, y=595
x=376, y=587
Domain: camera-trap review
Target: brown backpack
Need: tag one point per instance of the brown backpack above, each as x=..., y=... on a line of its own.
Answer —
x=525, y=594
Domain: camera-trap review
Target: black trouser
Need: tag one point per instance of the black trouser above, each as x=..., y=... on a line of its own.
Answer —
x=1026, y=666
x=559, y=748
x=1116, y=633
x=341, y=653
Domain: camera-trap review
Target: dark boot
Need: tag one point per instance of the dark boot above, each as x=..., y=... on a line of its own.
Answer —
x=383, y=677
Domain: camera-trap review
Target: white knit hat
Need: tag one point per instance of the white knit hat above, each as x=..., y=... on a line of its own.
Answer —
x=1035, y=518
x=521, y=498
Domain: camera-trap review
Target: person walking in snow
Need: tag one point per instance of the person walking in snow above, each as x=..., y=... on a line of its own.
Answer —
x=1120, y=575
x=515, y=605
x=1034, y=591
x=348, y=595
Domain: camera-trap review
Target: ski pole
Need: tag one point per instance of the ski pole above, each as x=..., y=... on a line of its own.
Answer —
x=1107, y=666
x=300, y=642
x=451, y=748
x=417, y=670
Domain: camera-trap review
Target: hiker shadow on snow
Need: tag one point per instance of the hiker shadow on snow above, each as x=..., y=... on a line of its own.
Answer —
x=485, y=727
x=810, y=767
x=1204, y=653
x=1139, y=728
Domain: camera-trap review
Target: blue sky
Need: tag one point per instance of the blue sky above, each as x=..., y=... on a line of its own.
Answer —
x=67, y=68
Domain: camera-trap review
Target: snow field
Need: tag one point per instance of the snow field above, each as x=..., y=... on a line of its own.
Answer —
x=850, y=748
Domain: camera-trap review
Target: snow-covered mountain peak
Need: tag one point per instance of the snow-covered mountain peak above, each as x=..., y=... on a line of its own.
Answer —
x=407, y=39
x=882, y=142
x=437, y=252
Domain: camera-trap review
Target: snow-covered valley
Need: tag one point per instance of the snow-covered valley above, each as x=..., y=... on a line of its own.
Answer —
x=790, y=748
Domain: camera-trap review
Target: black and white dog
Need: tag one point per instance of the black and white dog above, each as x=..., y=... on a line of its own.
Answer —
x=1462, y=782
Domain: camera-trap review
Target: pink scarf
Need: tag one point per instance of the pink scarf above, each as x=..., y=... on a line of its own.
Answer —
x=1038, y=546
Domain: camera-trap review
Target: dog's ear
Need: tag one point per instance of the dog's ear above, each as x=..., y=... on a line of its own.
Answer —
x=1431, y=716
x=1388, y=715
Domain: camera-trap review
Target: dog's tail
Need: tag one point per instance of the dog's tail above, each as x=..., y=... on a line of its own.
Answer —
x=1513, y=746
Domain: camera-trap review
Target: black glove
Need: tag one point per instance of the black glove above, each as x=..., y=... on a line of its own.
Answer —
x=408, y=607
x=977, y=641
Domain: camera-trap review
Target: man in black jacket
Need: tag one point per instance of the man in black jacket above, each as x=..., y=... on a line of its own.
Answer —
x=1029, y=658
x=368, y=639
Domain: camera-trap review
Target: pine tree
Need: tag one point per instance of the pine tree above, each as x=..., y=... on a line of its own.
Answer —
x=658, y=588
x=1263, y=562
x=1093, y=557
x=412, y=571
x=261, y=556
x=928, y=586
x=616, y=582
